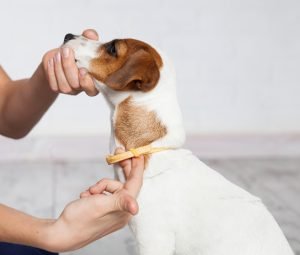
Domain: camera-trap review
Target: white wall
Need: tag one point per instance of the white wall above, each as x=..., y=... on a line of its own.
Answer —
x=237, y=61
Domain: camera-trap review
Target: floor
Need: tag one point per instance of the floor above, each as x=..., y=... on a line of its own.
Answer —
x=42, y=188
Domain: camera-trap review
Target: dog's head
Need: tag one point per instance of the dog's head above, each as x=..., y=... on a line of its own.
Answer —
x=139, y=85
x=121, y=64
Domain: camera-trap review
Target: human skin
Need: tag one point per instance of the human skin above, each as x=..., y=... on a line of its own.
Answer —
x=24, y=102
x=84, y=220
x=95, y=214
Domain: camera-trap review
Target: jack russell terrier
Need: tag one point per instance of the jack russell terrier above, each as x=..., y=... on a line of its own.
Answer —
x=186, y=208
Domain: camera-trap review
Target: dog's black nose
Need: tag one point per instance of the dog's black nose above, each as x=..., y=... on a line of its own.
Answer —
x=69, y=37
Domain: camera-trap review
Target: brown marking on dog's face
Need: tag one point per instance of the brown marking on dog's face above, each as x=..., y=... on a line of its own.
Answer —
x=135, y=126
x=127, y=64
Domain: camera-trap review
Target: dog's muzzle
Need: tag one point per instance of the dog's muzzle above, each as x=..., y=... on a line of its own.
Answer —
x=69, y=37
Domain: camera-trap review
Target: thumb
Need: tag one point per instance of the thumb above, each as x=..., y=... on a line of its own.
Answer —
x=135, y=179
x=86, y=82
x=117, y=202
x=91, y=34
x=128, y=204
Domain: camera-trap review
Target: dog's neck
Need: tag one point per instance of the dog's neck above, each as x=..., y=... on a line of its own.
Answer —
x=139, y=118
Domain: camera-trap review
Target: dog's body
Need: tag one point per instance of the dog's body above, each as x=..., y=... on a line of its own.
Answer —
x=186, y=208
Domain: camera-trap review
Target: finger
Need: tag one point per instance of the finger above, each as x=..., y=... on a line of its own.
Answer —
x=87, y=83
x=85, y=194
x=91, y=34
x=125, y=164
x=69, y=67
x=135, y=179
x=129, y=204
x=107, y=185
x=51, y=75
x=62, y=82
x=48, y=55
x=48, y=64
x=117, y=202
x=119, y=150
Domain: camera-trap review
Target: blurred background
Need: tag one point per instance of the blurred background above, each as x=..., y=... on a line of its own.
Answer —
x=238, y=77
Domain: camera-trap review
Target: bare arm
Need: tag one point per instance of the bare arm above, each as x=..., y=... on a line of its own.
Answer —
x=23, y=102
x=83, y=221
x=18, y=227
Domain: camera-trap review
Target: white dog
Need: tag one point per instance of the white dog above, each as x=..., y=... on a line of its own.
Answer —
x=186, y=208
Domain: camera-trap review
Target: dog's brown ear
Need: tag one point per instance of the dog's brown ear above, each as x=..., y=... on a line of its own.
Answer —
x=140, y=72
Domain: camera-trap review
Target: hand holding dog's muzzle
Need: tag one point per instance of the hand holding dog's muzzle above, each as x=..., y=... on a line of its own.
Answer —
x=63, y=74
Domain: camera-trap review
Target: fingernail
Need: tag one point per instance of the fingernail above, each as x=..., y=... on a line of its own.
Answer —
x=66, y=52
x=82, y=72
x=58, y=57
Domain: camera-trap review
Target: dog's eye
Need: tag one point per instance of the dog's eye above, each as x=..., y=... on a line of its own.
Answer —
x=111, y=48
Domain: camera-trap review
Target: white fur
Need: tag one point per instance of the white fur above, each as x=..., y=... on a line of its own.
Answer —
x=84, y=50
x=186, y=208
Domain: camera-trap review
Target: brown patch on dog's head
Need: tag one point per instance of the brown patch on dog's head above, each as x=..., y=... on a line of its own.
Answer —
x=127, y=64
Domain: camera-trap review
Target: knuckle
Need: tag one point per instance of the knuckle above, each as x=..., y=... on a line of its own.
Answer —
x=48, y=55
x=45, y=64
x=103, y=181
x=91, y=189
x=45, y=58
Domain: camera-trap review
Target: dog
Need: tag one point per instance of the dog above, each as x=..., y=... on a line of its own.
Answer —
x=186, y=208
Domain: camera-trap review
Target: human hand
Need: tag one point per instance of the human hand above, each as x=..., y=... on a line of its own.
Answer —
x=133, y=178
x=106, y=207
x=62, y=73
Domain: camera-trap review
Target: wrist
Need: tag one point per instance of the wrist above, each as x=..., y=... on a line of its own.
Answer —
x=46, y=237
x=57, y=237
x=21, y=228
x=40, y=79
x=52, y=237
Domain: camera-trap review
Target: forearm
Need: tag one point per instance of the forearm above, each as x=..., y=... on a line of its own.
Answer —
x=18, y=227
x=24, y=103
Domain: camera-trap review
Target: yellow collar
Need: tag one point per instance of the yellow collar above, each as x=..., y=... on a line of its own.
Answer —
x=136, y=152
